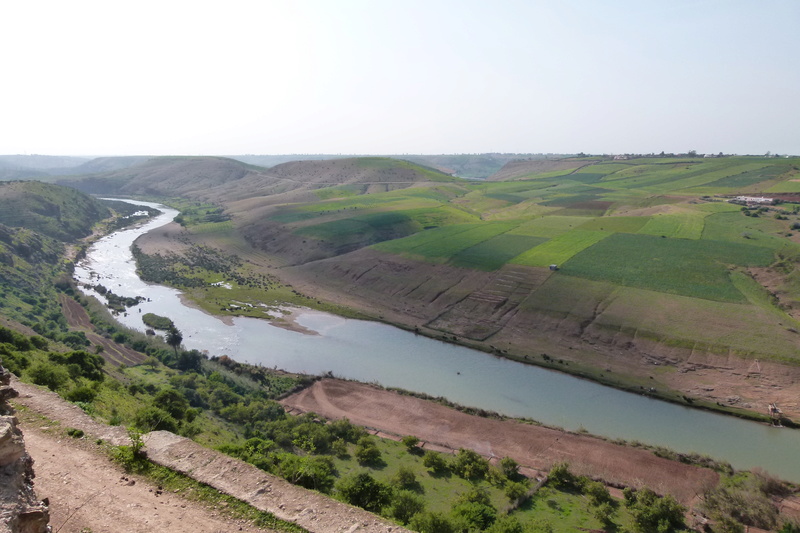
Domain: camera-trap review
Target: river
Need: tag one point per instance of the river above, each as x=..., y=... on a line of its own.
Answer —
x=374, y=352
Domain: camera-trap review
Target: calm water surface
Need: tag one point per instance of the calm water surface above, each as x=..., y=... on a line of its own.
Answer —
x=374, y=352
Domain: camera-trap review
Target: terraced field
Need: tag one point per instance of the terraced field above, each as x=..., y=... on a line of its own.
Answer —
x=650, y=257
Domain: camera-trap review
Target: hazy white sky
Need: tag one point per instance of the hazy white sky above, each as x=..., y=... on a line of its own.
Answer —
x=402, y=76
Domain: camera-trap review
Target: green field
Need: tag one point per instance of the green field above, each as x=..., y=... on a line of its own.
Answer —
x=621, y=233
x=441, y=244
x=560, y=249
x=493, y=253
x=688, y=225
x=677, y=266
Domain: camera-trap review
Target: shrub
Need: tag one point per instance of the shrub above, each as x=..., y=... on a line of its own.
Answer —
x=429, y=522
x=404, y=505
x=51, y=376
x=362, y=490
x=75, y=433
x=509, y=467
x=81, y=394
x=155, y=419
x=469, y=464
x=404, y=478
x=367, y=451
x=410, y=442
x=434, y=462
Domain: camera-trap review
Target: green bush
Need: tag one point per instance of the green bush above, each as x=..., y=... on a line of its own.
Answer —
x=404, y=505
x=51, y=376
x=469, y=464
x=155, y=419
x=82, y=394
x=434, y=461
x=362, y=490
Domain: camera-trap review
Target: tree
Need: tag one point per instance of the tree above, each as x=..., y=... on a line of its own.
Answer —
x=404, y=478
x=429, y=522
x=172, y=402
x=434, y=462
x=405, y=504
x=509, y=467
x=367, y=451
x=410, y=442
x=475, y=515
x=515, y=491
x=469, y=464
x=52, y=377
x=651, y=513
x=155, y=419
x=506, y=524
x=174, y=339
x=362, y=490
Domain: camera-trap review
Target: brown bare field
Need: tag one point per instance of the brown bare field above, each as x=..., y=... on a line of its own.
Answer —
x=532, y=446
x=113, y=353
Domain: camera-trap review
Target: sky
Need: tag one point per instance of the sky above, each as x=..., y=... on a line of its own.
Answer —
x=174, y=77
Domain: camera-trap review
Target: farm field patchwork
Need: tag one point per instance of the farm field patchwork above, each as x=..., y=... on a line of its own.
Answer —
x=440, y=244
x=560, y=249
x=677, y=266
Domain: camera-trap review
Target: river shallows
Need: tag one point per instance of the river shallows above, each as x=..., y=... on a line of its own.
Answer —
x=374, y=352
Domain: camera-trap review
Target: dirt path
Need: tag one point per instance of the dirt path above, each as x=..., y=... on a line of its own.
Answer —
x=532, y=446
x=78, y=478
x=88, y=492
x=113, y=353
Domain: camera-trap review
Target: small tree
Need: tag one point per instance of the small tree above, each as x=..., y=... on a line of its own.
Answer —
x=362, y=490
x=367, y=451
x=404, y=478
x=469, y=464
x=410, y=442
x=509, y=467
x=174, y=339
x=434, y=462
x=405, y=504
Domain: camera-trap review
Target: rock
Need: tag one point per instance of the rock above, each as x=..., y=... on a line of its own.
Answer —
x=21, y=511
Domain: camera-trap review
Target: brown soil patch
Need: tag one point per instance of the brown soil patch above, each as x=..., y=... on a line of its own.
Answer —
x=532, y=446
x=113, y=353
x=89, y=493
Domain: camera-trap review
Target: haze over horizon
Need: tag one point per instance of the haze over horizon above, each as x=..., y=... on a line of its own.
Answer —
x=359, y=77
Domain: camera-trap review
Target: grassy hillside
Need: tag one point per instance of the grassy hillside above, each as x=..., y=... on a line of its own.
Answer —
x=635, y=242
x=37, y=220
x=58, y=212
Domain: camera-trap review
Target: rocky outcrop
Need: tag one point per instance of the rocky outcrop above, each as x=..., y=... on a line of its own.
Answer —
x=20, y=511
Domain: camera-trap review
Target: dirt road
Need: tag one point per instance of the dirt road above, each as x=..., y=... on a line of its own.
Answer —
x=89, y=493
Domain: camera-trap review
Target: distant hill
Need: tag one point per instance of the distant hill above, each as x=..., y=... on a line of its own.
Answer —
x=41, y=162
x=101, y=164
x=58, y=212
x=477, y=166
x=524, y=168
x=221, y=179
x=164, y=176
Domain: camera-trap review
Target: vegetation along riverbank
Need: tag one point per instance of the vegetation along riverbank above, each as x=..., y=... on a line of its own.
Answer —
x=498, y=265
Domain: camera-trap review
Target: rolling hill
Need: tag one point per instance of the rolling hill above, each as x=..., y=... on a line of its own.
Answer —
x=655, y=268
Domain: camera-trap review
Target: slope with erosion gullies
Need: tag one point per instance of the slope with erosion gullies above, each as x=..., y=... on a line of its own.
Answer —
x=525, y=168
x=344, y=177
x=58, y=212
x=191, y=177
x=672, y=286
x=343, y=193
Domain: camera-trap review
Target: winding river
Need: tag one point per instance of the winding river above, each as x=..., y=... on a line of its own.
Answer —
x=374, y=352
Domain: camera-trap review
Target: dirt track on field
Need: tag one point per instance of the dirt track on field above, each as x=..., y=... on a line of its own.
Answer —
x=113, y=353
x=532, y=446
